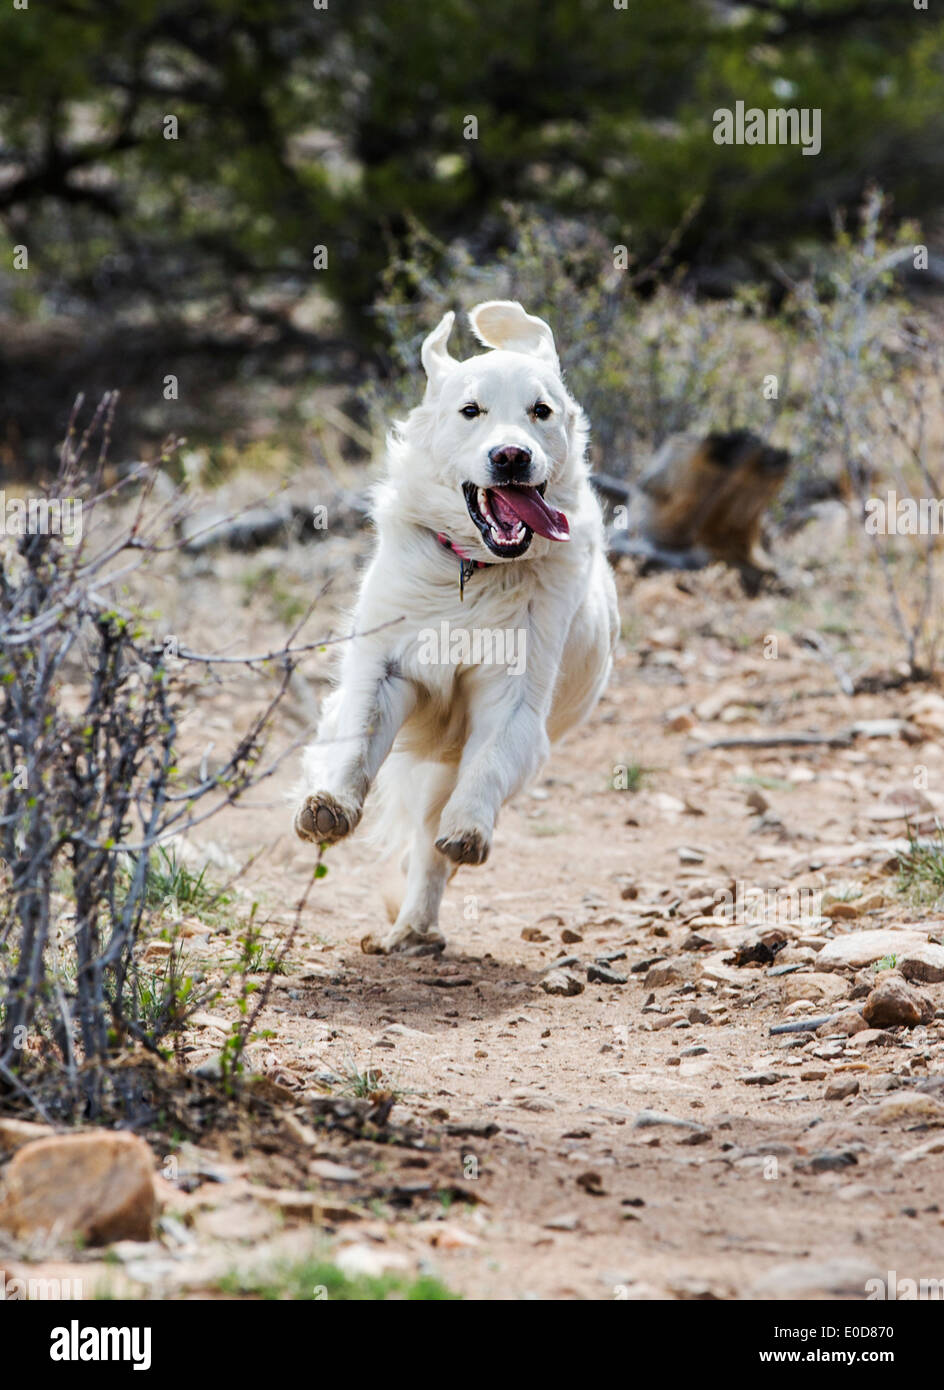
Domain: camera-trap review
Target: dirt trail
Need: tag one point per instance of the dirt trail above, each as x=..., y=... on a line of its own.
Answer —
x=756, y=1185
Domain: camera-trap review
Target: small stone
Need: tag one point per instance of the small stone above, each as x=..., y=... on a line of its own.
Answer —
x=326, y=1171
x=908, y=1106
x=602, y=975
x=666, y=973
x=569, y=1221
x=842, y=1087
x=894, y=1002
x=761, y=1078
x=648, y=1119
x=848, y=1023
x=562, y=982
x=533, y=934
x=570, y=937
x=97, y=1186
x=861, y=948
x=592, y=1183
x=15, y=1133
x=831, y=1160
x=815, y=986
x=924, y=964
x=369, y=1260
x=843, y=1277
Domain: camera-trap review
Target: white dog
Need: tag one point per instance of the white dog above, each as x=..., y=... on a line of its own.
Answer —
x=486, y=620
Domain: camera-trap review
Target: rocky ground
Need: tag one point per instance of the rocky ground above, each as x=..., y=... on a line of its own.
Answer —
x=583, y=1097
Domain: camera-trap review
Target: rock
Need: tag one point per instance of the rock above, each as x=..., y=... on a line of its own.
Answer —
x=861, y=948
x=839, y=910
x=326, y=1171
x=646, y=1119
x=874, y=1037
x=760, y=1078
x=569, y=1221
x=842, y=1087
x=848, y=1023
x=815, y=987
x=97, y=1186
x=830, y=1161
x=843, y=1277
x=930, y=1146
x=697, y=1015
x=894, y=1002
x=534, y=934
x=562, y=982
x=665, y=973
x=714, y=968
x=602, y=975
x=908, y=1106
x=370, y=1261
x=688, y=854
x=15, y=1133
x=923, y=963
x=569, y=937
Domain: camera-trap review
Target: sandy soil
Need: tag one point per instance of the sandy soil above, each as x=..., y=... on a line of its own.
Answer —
x=757, y=1186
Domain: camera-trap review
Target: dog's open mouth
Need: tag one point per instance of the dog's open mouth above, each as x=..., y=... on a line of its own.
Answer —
x=508, y=517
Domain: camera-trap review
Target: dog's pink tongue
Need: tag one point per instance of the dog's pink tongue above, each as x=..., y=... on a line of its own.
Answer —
x=526, y=504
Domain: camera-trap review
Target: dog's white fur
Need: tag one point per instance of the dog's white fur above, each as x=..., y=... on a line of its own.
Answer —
x=453, y=742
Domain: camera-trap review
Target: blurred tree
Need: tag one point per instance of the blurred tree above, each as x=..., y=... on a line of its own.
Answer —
x=301, y=126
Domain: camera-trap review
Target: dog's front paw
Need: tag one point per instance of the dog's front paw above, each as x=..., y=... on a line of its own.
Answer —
x=465, y=847
x=322, y=819
x=405, y=941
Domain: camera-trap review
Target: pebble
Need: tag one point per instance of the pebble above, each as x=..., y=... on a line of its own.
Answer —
x=562, y=982
x=893, y=1001
x=925, y=964
x=842, y=1087
x=602, y=975
x=647, y=1119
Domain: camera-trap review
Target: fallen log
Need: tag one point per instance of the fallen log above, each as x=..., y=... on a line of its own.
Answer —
x=703, y=499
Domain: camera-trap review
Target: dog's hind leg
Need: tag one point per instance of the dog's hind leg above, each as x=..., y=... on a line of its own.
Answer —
x=362, y=718
x=416, y=929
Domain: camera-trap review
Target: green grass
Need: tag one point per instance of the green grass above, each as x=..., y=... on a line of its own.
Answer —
x=629, y=777
x=171, y=886
x=315, y=1280
x=921, y=872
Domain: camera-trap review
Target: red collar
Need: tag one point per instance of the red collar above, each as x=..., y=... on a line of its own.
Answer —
x=467, y=566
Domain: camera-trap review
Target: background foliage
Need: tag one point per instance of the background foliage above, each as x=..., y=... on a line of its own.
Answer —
x=343, y=126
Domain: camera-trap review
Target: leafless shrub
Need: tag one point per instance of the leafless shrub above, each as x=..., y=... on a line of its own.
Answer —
x=89, y=782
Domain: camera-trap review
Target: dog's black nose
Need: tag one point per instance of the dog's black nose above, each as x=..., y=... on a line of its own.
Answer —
x=510, y=464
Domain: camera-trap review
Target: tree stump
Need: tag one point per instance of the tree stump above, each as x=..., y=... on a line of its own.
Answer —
x=703, y=499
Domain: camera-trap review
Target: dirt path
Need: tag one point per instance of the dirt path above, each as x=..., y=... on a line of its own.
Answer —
x=747, y=1181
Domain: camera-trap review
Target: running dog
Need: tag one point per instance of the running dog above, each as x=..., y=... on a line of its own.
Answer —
x=486, y=621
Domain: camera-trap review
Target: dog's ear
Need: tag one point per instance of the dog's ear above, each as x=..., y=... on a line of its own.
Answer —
x=435, y=356
x=502, y=323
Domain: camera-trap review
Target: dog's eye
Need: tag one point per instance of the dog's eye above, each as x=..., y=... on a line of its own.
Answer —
x=541, y=411
x=470, y=411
